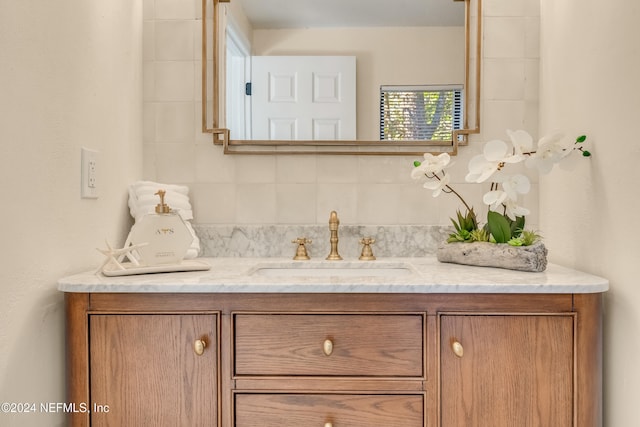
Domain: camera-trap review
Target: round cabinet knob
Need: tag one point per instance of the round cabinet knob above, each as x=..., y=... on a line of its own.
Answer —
x=328, y=424
x=199, y=346
x=457, y=348
x=327, y=348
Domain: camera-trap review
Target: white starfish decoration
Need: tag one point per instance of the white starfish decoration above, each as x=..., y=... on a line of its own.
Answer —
x=115, y=256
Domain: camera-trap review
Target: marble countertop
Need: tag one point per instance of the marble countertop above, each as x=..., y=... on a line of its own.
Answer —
x=385, y=275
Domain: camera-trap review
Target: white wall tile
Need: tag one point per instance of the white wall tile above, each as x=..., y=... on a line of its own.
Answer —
x=500, y=116
x=342, y=198
x=174, y=122
x=332, y=169
x=148, y=41
x=174, y=40
x=149, y=160
x=532, y=117
x=149, y=122
x=532, y=79
x=296, y=169
x=213, y=203
x=175, y=163
x=149, y=81
x=212, y=166
x=296, y=203
x=174, y=81
x=532, y=37
x=256, y=204
x=504, y=79
x=255, y=169
x=418, y=205
x=175, y=9
x=385, y=169
x=505, y=7
x=504, y=37
x=378, y=203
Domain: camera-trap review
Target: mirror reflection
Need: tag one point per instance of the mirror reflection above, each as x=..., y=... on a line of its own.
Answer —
x=319, y=70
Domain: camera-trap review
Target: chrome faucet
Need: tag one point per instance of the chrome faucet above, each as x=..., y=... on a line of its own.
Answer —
x=334, y=222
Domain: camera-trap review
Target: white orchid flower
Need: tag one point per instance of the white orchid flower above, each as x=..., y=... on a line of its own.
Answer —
x=495, y=155
x=516, y=184
x=513, y=210
x=494, y=198
x=512, y=185
x=551, y=149
x=431, y=165
x=438, y=185
x=521, y=140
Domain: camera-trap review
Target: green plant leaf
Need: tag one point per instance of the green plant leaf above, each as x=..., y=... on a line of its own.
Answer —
x=586, y=153
x=581, y=139
x=416, y=163
x=529, y=237
x=499, y=227
x=516, y=226
x=516, y=242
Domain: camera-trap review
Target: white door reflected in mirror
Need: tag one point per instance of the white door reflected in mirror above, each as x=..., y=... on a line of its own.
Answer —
x=303, y=97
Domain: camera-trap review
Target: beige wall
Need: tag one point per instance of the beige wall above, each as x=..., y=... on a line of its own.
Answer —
x=590, y=67
x=304, y=189
x=70, y=76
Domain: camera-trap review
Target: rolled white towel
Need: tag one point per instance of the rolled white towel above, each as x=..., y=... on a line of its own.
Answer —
x=143, y=199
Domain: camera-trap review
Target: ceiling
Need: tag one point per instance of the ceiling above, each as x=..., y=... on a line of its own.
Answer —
x=352, y=13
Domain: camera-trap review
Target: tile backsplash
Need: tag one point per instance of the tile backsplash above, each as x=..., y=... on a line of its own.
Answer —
x=276, y=240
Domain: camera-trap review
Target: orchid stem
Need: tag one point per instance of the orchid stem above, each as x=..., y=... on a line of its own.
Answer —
x=450, y=190
x=459, y=197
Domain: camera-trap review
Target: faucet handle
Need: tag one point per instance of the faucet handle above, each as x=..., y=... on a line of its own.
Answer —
x=367, y=253
x=301, y=250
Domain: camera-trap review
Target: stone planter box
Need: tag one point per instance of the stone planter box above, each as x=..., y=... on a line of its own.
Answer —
x=501, y=255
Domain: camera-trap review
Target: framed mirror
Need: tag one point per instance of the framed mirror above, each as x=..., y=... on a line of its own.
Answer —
x=381, y=78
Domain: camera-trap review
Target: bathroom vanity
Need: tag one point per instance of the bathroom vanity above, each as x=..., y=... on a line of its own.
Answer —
x=394, y=342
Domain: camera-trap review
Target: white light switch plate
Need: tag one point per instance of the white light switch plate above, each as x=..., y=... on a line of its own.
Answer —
x=89, y=174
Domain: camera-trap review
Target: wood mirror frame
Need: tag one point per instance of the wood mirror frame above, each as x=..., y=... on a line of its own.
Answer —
x=222, y=136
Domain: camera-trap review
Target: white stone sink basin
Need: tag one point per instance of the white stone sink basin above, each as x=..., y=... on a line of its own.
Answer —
x=332, y=269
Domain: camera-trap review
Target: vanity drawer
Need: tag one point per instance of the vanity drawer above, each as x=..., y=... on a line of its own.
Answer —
x=376, y=345
x=295, y=410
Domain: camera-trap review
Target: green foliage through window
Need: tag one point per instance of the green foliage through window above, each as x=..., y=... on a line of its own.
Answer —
x=420, y=112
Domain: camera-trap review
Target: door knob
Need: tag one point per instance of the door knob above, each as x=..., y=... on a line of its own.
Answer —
x=457, y=348
x=199, y=346
x=327, y=348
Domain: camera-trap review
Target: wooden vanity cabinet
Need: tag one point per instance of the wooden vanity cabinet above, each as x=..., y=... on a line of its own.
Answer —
x=146, y=369
x=404, y=360
x=514, y=367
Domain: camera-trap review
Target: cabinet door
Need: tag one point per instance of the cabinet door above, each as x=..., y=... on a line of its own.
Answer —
x=505, y=371
x=145, y=370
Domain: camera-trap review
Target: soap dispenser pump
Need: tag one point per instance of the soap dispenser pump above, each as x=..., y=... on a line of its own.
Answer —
x=162, y=207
